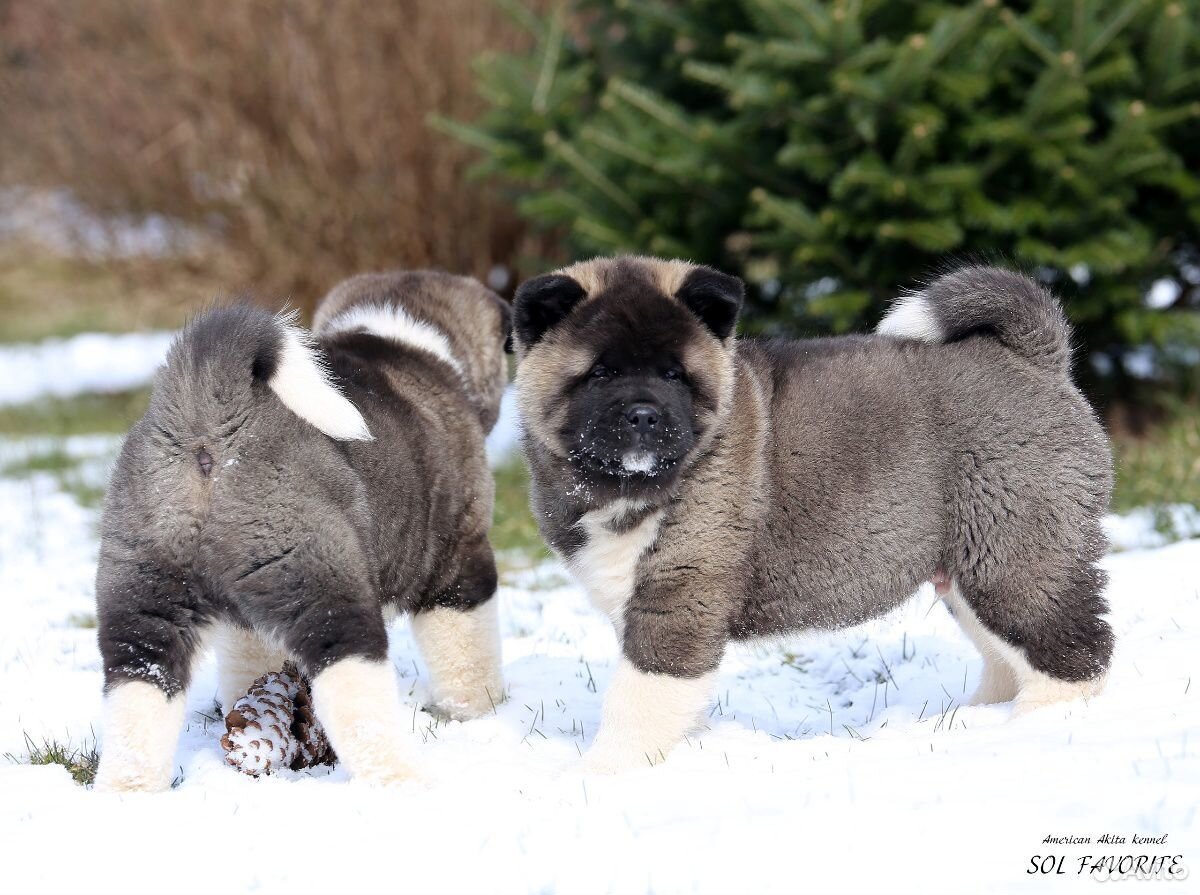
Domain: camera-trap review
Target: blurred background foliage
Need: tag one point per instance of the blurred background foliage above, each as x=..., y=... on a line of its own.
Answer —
x=832, y=153
x=835, y=152
x=290, y=133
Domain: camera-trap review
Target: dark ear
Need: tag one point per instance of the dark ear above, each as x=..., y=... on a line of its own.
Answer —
x=542, y=302
x=714, y=297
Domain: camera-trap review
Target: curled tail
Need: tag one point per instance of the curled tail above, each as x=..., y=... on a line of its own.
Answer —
x=1009, y=306
x=224, y=354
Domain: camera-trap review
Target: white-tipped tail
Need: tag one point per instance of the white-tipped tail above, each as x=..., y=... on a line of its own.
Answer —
x=303, y=383
x=911, y=317
x=396, y=324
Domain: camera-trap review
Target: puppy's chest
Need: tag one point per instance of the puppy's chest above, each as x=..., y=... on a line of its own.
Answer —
x=607, y=562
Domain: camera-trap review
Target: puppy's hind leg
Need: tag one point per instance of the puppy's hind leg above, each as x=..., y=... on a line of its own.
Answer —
x=461, y=647
x=1049, y=634
x=998, y=682
x=148, y=639
x=341, y=643
x=355, y=693
x=460, y=643
x=321, y=598
x=358, y=701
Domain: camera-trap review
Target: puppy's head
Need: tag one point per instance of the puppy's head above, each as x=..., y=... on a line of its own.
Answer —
x=626, y=364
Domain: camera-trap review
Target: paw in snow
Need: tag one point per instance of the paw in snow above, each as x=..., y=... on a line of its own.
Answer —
x=150, y=781
x=454, y=710
x=614, y=760
x=467, y=706
x=1043, y=692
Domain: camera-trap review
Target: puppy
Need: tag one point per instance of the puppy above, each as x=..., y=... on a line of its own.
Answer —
x=282, y=493
x=707, y=489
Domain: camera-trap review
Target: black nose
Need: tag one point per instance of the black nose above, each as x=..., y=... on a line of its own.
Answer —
x=643, y=417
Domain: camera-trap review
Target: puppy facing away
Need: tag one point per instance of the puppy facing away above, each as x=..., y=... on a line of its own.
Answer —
x=282, y=493
x=708, y=489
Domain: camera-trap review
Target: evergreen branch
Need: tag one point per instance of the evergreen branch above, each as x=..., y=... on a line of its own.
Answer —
x=624, y=149
x=791, y=214
x=950, y=35
x=1112, y=29
x=602, y=234
x=642, y=99
x=465, y=133
x=787, y=52
x=814, y=16
x=1029, y=36
x=1079, y=17
x=553, y=43
x=570, y=156
x=659, y=14
x=519, y=13
x=1182, y=81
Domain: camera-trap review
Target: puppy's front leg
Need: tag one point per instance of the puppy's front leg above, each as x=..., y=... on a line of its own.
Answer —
x=645, y=717
x=672, y=642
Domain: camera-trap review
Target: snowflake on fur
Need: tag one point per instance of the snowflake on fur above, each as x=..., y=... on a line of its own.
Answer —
x=273, y=726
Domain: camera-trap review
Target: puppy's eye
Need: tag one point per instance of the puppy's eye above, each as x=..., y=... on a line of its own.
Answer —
x=673, y=374
x=600, y=372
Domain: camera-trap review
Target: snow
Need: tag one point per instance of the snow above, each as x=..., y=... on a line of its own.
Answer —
x=1139, y=528
x=832, y=762
x=89, y=362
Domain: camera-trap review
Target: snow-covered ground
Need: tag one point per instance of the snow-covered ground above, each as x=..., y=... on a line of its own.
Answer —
x=89, y=362
x=836, y=762
x=832, y=762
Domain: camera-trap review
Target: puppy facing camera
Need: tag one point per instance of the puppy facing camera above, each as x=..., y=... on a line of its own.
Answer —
x=708, y=489
x=282, y=493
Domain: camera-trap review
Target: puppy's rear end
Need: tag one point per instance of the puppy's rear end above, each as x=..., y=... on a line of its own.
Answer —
x=233, y=504
x=1030, y=482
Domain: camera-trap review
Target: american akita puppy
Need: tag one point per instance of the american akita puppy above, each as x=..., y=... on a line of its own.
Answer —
x=282, y=493
x=707, y=489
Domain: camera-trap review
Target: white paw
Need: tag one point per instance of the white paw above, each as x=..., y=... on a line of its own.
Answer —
x=394, y=774
x=130, y=780
x=614, y=760
x=468, y=704
x=1040, y=691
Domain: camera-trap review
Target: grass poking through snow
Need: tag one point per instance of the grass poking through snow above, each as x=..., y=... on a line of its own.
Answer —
x=69, y=473
x=80, y=761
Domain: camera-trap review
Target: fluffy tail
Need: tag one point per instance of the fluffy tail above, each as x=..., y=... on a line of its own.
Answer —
x=1009, y=306
x=224, y=352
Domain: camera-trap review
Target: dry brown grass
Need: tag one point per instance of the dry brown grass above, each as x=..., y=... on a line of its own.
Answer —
x=294, y=128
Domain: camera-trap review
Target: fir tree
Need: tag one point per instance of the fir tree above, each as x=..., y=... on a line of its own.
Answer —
x=834, y=153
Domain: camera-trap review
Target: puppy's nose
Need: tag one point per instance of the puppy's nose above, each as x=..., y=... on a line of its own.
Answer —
x=642, y=417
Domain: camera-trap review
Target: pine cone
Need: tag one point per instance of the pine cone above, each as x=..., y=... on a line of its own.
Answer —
x=273, y=726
